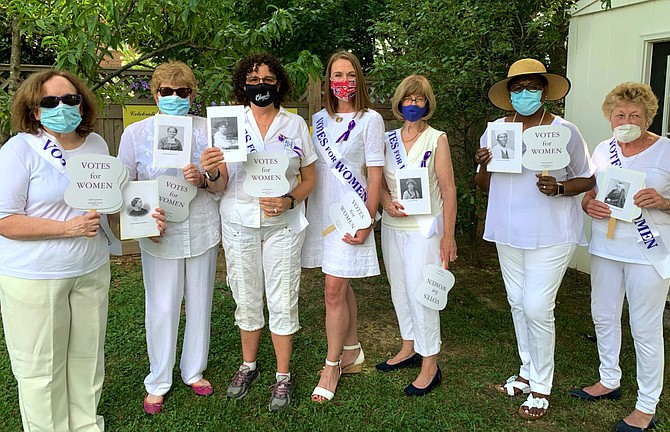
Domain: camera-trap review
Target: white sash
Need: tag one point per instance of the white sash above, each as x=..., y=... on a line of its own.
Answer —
x=396, y=149
x=254, y=142
x=650, y=241
x=338, y=167
x=51, y=151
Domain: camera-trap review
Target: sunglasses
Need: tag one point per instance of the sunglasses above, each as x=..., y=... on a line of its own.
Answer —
x=54, y=101
x=182, y=92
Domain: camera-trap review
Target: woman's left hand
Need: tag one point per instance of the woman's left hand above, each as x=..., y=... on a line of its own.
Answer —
x=193, y=175
x=448, y=250
x=359, y=237
x=159, y=215
x=273, y=206
x=650, y=198
x=547, y=184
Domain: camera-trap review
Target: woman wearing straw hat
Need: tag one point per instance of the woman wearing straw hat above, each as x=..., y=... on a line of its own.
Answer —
x=535, y=221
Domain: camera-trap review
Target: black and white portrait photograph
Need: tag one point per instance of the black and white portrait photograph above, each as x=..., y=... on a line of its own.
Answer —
x=616, y=188
x=172, y=141
x=139, y=200
x=505, y=142
x=137, y=207
x=413, y=190
x=225, y=129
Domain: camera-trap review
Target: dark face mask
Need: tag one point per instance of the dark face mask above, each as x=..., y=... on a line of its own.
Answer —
x=261, y=94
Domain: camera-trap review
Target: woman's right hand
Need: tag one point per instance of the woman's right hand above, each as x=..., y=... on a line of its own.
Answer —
x=395, y=209
x=210, y=160
x=597, y=209
x=83, y=226
x=483, y=156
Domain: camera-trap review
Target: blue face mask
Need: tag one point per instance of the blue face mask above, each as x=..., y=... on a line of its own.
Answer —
x=61, y=119
x=526, y=103
x=412, y=112
x=174, y=105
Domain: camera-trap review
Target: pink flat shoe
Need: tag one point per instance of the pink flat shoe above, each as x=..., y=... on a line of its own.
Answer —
x=203, y=390
x=152, y=408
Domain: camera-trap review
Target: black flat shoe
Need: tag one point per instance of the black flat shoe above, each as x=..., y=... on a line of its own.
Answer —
x=413, y=361
x=412, y=390
x=622, y=426
x=583, y=395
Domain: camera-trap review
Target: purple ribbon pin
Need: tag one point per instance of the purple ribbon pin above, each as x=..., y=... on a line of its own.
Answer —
x=426, y=155
x=345, y=136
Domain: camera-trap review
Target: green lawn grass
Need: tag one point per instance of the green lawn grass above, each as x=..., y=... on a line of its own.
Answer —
x=478, y=350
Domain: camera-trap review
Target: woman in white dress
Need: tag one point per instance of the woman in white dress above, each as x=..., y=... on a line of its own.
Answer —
x=348, y=136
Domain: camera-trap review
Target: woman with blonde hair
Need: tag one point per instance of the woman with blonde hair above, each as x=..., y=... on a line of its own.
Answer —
x=408, y=243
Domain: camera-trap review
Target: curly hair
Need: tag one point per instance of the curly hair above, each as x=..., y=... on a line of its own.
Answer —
x=631, y=92
x=250, y=64
x=27, y=101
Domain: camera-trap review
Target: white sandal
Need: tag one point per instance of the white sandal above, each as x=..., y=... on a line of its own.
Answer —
x=325, y=393
x=357, y=365
x=512, y=384
x=534, y=402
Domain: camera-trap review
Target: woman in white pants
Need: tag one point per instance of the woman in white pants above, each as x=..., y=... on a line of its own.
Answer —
x=182, y=265
x=406, y=248
x=634, y=263
x=536, y=224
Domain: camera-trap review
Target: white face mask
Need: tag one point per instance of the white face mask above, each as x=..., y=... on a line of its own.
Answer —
x=627, y=133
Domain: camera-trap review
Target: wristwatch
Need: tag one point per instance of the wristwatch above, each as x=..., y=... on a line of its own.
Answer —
x=292, y=198
x=560, y=189
x=215, y=178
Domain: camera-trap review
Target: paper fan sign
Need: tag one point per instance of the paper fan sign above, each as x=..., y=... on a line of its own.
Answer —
x=175, y=195
x=96, y=182
x=349, y=215
x=266, y=175
x=546, y=148
x=436, y=284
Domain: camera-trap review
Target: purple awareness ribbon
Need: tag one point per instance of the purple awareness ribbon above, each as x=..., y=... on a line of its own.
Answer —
x=345, y=136
x=426, y=155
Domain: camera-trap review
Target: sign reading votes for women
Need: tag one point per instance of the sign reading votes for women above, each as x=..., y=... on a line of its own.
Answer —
x=349, y=215
x=96, y=181
x=266, y=174
x=436, y=284
x=546, y=148
x=175, y=195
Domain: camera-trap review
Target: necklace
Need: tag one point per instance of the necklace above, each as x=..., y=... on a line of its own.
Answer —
x=421, y=129
x=541, y=118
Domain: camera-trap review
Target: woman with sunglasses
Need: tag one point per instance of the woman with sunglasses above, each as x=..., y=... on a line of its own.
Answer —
x=54, y=260
x=263, y=237
x=407, y=245
x=350, y=138
x=182, y=265
x=536, y=224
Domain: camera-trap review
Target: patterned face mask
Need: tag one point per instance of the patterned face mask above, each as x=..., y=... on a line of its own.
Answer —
x=343, y=90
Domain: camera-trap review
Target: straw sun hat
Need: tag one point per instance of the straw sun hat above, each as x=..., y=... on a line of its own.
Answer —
x=557, y=88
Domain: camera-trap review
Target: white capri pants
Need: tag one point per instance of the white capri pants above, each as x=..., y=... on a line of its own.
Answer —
x=264, y=259
x=532, y=278
x=55, y=334
x=646, y=292
x=405, y=254
x=166, y=283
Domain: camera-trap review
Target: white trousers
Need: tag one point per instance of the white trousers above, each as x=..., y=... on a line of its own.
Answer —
x=405, y=254
x=166, y=283
x=264, y=259
x=55, y=334
x=646, y=293
x=532, y=278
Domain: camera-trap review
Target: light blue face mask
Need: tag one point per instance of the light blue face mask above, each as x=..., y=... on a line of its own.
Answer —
x=61, y=119
x=174, y=105
x=526, y=102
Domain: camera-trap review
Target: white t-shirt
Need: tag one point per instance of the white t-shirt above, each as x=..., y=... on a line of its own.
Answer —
x=201, y=230
x=239, y=207
x=655, y=162
x=519, y=215
x=31, y=186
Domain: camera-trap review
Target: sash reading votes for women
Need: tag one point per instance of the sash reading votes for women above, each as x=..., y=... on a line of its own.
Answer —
x=51, y=151
x=338, y=167
x=650, y=242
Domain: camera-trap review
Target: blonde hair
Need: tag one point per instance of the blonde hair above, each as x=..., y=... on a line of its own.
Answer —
x=631, y=92
x=362, y=99
x=27, y=100
x=414, y=85
x=176, y=72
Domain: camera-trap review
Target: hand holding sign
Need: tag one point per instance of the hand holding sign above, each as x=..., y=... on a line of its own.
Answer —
x=437, y=282
x=349, y=215
x=546, y=148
